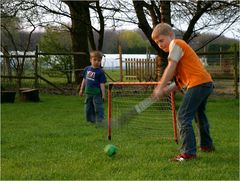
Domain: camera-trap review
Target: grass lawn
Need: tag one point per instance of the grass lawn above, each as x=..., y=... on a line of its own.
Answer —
x=51, y=140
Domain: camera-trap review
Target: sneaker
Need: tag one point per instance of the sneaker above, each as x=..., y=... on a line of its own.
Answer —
x=207, y=149
x=184, y=157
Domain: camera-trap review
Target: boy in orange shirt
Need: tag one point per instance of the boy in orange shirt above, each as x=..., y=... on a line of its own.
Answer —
x=185, y=68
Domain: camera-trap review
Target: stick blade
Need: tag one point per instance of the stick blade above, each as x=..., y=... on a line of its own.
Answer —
x=130, y=114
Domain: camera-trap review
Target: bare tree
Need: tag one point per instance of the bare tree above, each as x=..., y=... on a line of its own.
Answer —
x=10, y=14
x=189, y=17
x=87, y=17
x=195, y=15
x=81, y=28
x=152, y=10
x=204, y=16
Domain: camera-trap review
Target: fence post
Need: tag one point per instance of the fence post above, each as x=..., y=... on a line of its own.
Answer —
x=120, y=62
x=236, y=72
x=158, y=67
x=36, y=68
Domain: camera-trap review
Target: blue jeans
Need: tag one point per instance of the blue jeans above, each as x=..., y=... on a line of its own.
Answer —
x=193, y=106
x=94, y=109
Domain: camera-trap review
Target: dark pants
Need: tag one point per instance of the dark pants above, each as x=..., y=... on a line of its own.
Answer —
x=193, y=106
x=94, y=109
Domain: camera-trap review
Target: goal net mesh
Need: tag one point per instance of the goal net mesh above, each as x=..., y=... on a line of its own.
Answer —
x=158, y=120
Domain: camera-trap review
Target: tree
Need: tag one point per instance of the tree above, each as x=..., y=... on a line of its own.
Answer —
x=81, y=28
x=158, y=15
x=79, y=33
x=14, y=16
x=132, y=42
x=56, y=39
x=196, y=16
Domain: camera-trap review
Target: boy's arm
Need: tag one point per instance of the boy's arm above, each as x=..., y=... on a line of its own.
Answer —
x=102, y=86
x=163, y=88
x=82, y=87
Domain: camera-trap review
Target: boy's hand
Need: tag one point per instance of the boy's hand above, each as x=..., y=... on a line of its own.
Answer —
x=81, y=93
x=103, y=98
x=159, y=92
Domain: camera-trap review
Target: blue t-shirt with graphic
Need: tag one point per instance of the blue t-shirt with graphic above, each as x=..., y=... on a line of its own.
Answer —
x=93, y=78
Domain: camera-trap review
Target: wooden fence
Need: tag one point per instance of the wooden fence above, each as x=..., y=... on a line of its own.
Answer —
x=146, y=69
x=140, y=69
x=222, y=65
x=31, y=74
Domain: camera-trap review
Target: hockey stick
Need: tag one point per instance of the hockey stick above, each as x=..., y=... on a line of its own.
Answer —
x=130, y=114
x=133, y=112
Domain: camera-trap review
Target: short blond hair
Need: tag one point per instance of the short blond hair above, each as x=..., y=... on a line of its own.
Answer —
x=96, y=53
x=161, y=29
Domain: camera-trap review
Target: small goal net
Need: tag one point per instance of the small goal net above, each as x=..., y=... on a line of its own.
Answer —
x=158, y=120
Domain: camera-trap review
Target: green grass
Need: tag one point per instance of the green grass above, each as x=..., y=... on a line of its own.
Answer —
x=51, y=140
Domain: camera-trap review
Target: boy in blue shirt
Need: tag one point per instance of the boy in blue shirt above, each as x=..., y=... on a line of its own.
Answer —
x=93, y=87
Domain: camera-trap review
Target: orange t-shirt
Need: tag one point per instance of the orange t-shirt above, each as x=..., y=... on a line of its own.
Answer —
x=190, y=71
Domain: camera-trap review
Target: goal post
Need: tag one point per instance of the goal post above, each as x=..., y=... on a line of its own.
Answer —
x=159, y=119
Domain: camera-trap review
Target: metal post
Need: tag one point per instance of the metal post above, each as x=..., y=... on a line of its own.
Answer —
x=109, y=111
x=36, y=68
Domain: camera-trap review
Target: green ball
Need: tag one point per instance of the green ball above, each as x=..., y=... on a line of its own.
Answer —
x=110, y=150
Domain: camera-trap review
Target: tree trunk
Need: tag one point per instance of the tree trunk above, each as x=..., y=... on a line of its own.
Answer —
x=102, y=26
x=143, y=24
x=79, y=36
x=7, y=64
x=165, y=10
